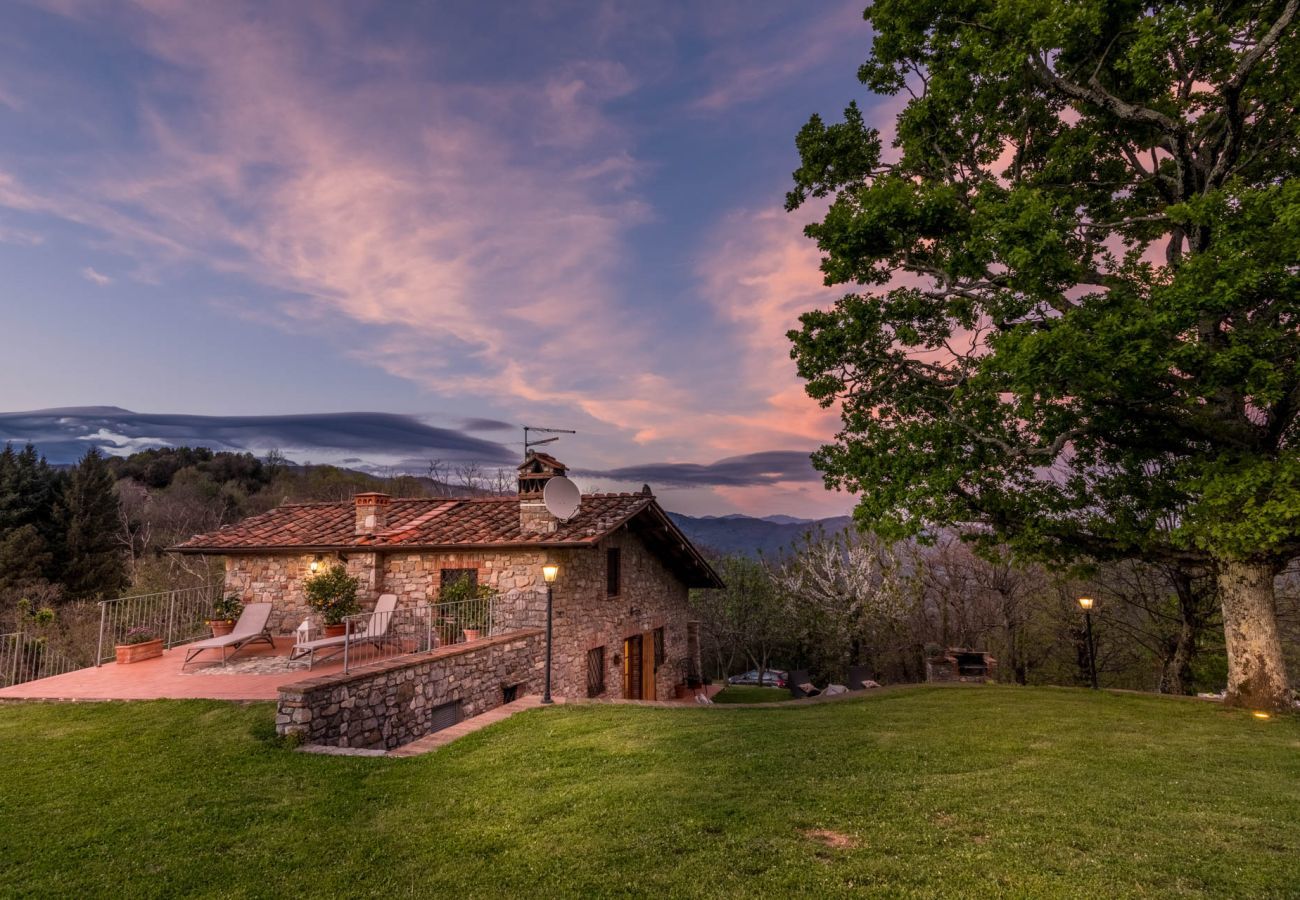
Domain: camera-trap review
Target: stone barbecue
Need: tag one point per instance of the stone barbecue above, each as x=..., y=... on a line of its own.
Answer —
x=960, y=664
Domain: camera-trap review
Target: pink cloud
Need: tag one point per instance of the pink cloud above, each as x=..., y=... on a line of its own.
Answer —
x=485, y=263
x=466, y=237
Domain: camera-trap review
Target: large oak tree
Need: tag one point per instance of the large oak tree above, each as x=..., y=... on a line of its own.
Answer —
x=1076, y=286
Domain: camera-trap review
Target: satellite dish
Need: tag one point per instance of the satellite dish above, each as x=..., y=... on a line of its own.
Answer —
x=561, y=497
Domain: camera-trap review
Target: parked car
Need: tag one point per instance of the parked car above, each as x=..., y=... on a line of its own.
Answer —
x=771, y=678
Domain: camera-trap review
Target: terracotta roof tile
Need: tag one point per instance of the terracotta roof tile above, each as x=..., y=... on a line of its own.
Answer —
x=418, y=522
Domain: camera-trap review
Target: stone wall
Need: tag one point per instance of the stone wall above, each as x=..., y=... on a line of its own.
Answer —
x=416, y=577
x=277, y=579
x=390, y=703
x=651, y=597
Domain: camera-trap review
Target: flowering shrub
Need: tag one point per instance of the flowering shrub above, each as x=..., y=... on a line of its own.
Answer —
x=140, y=634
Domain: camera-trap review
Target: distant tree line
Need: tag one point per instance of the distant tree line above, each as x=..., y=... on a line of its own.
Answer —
x=59, y=527
x=849, y=599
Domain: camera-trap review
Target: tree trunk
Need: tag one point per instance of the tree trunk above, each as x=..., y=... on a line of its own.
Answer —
x=1176, y=678
x=1256, y=670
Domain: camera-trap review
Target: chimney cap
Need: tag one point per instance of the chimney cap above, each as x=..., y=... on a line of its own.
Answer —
x=538, y=462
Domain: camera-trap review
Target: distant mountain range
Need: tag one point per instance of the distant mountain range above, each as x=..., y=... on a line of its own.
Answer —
x=771, y=535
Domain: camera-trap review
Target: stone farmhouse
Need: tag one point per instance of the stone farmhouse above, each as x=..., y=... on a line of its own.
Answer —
x=622, y=623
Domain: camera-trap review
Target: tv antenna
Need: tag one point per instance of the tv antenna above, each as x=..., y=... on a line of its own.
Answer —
x=530, y=443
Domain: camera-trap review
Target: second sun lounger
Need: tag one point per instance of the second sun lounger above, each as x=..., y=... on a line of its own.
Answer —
x=249, y=629
x=374, y=632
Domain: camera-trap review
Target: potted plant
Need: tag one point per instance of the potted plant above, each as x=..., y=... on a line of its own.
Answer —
x=470, y=604
x=139, y=643
x=225, y=610
x=333, y=594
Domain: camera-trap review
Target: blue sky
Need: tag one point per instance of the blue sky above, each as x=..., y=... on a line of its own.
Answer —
x=546, y=213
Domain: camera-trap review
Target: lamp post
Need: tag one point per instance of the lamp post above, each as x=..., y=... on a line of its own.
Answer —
x=549, y=572
x=1085, y=603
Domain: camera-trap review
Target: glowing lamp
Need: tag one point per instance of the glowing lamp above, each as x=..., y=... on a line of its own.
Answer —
x=1085, y=602
x=549, y=572
x=1260, y=714
x=315, y=564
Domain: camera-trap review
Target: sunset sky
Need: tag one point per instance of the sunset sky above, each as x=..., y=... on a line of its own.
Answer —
x=472, y=216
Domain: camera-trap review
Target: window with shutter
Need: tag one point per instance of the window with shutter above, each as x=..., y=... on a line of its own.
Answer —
x=595, y=671
x=613, y=575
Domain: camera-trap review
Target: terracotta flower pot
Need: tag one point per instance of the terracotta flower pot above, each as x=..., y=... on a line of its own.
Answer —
x=131, y=653
x=471, y=634
x=221, y=627
x=335, y=630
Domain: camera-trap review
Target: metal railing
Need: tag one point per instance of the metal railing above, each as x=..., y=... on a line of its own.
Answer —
x=26, y=658
x=369, y=637
x=176, y=616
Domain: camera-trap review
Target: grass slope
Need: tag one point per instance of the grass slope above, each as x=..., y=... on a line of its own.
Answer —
x=927, y=791
x=751, y=693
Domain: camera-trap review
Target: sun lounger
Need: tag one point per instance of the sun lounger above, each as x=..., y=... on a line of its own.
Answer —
x=375, y=631
x=249, y=629
x=801, y=685
x=857, y=676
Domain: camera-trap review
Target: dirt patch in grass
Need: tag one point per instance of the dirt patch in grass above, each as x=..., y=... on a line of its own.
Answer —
x=837, y=840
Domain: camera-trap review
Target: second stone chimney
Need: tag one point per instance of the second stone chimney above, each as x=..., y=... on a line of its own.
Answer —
x=537, y=469
x=372, y=512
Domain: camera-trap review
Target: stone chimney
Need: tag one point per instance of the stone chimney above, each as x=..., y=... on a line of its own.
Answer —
x=372, y=512
x=537, y=469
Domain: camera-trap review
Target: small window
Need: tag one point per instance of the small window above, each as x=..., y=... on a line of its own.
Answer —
x=659, y=647
x=444, y=716
x=613, y=575
x=595, y=671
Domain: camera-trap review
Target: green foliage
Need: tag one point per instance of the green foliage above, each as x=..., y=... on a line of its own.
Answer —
x=465, y=588
x=332, y=593
x=460, y=591
x=1017, y=791
x=227, y=608
x=24, y=557
x=1082, y=262
x=93, y=564
x=747, y=623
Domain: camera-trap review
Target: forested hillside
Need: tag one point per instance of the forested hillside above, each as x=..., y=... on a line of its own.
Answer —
x=749, y=536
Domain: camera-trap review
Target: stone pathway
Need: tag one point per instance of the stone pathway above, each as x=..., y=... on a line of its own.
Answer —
x=255, y=665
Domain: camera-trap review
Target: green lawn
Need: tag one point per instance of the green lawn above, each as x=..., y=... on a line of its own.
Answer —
x=751, y=693
x=927, y=791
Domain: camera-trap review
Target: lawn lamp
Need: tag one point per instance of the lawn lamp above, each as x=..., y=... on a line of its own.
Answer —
x=1085, y=603
x=549, y=572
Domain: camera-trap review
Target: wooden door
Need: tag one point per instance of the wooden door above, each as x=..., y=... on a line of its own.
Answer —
x=632, y=663
x=648, y=666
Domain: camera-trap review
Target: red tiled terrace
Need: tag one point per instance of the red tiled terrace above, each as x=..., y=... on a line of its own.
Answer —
x=161, y=678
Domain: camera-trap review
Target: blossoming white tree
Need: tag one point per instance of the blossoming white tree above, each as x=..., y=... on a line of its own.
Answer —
x=839, y=588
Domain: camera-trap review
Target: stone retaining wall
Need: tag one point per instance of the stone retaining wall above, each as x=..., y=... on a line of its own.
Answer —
x=390, y=703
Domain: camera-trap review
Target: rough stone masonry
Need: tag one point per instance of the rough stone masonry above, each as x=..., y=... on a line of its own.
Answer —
x=391, y=703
